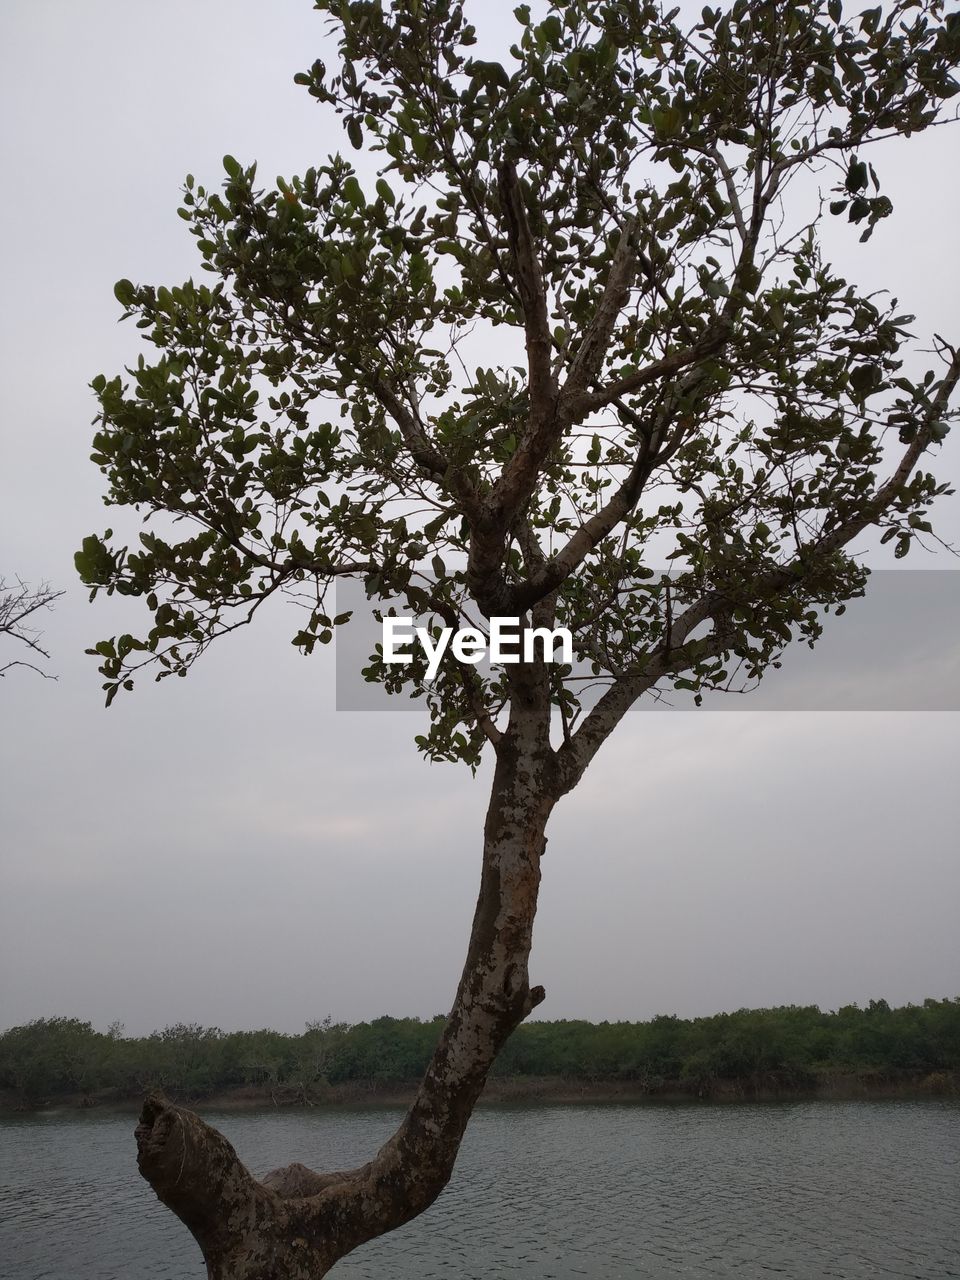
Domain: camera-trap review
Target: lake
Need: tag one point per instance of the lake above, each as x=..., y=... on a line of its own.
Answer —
x=846, y=1190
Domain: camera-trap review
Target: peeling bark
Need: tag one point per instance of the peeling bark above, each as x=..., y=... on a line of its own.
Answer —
x=294, y=1223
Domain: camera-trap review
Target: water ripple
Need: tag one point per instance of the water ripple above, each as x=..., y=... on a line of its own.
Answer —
x=802, y=1191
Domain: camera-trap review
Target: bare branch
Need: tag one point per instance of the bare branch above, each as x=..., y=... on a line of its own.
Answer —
x=30, y=666
x=17, y=604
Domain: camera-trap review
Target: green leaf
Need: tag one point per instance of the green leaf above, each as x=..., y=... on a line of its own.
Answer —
x=856, y=175
x=353, y=193
x=419, y=271
x=232, y=166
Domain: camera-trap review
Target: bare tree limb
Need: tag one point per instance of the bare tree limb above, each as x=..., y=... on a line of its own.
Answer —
x=17, y=604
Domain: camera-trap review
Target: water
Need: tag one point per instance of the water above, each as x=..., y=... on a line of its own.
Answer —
x=849, y=1191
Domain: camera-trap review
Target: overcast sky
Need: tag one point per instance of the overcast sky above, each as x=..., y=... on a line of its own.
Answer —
x=229, y=849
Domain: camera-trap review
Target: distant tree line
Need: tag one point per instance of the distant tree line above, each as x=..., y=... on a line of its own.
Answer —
x=790, y=1047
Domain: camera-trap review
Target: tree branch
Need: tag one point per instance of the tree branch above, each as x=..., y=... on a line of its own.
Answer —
x=588, y=360
x=432, y=462
x=520, y=473
x=17, y=604
x=574, y=756
x=589, y=401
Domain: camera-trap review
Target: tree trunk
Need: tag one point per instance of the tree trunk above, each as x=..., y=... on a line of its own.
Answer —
x=294, y=1224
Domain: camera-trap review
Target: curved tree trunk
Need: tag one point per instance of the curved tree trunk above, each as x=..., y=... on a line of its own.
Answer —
x=294, y=1224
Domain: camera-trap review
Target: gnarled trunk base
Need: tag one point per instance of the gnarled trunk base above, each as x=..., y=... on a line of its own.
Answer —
x=246, y=1229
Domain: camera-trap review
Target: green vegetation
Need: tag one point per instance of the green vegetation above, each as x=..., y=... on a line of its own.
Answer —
x=788, y=1048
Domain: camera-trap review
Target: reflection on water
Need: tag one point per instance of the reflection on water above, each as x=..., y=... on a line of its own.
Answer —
x=852, y=1191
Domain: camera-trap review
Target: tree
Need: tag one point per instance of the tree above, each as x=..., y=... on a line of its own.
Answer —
x=18, y=604
x=685, y=380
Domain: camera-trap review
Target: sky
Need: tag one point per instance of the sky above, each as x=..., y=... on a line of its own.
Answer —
x=231, y=849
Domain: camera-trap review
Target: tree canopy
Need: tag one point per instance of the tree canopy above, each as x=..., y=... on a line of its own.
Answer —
x=685, y=380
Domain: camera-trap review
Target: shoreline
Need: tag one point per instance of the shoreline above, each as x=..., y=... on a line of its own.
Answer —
x=517, y=1090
